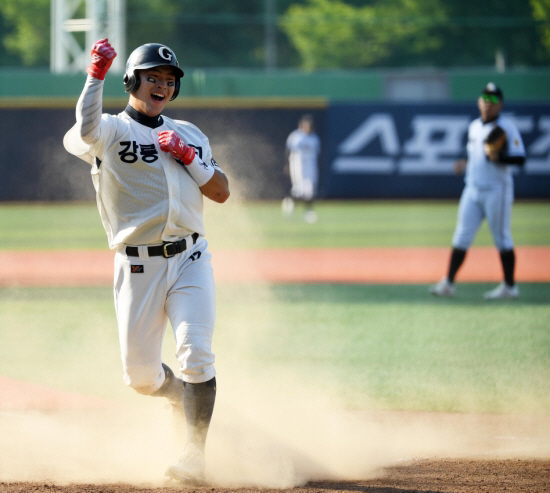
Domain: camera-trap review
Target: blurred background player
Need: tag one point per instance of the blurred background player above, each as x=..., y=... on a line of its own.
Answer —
x=302, y=150
x=488, y=194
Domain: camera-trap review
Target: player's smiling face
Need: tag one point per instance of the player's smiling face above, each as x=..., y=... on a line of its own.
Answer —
x=155, y=90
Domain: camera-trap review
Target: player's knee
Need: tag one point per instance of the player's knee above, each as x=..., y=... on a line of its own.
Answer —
x=504, y=244
x=144, y=380
x=461, y=240
x=197, y=365
x=146, y=390
x=197, y=369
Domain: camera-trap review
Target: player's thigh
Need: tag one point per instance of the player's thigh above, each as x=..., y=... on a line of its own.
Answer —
x=499, y=216
x=310, y=181
x=469, y=217
x=191, y=308
x=310, y=172
x=140, y=295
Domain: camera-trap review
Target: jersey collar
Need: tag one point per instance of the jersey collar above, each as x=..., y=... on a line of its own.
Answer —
x=148, y=121
x=491, y=120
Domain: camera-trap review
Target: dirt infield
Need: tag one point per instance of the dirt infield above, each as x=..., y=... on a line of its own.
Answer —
x=486, y=453
x=370, y=265
x=508, y=453
x=431, y=476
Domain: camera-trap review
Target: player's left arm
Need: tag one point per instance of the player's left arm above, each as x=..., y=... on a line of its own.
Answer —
x=217, y=188
x=210, y=179
x=513, y=152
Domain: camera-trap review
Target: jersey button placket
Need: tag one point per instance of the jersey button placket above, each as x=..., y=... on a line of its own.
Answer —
x=171, y=173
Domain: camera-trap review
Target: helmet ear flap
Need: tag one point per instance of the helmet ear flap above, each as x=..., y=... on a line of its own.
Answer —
x=176, y=89
x=131, y=82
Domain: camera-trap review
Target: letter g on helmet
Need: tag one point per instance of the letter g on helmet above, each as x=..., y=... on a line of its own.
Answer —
x=148, y=56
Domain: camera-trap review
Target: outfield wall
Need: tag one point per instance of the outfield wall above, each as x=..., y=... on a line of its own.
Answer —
x=369, y=150
x=247, y=142
x=414, y=84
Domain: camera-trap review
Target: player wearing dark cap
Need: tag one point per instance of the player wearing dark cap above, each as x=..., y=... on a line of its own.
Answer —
x=494, y=146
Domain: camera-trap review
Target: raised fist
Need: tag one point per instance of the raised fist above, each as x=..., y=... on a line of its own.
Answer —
x=171, y=142
x=103, y=55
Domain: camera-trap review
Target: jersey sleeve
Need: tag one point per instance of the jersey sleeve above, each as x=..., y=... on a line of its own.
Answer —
x=470, y=138
x=93, y=131
x=74, y=144
x=199, y=141
x=515, y=142
x=208, y=157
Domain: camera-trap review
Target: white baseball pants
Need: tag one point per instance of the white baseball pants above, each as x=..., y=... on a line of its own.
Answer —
x=149, y=292
x=304, y=179
x=495, y=204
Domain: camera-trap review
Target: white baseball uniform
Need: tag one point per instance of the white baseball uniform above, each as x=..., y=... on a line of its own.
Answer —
x=145, y=197
x=304, y=149
x=489, y=190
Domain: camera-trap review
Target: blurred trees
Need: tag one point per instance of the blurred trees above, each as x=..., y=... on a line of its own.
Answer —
x=334, y=33
x=541, y=13
x=208, y=33
x=25, y=31
x=403, y=33
x=311, y=34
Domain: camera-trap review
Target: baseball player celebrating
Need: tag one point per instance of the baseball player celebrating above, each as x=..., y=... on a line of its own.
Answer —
x=150, y=174
x=302, y=148
x=494, y=143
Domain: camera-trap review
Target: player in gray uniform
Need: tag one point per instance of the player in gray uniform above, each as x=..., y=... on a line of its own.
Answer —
x=489, y=193
x=302, y=149
x=150, y=174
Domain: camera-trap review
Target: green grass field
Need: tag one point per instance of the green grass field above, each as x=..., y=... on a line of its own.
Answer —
x=381, y=346
x=261, y=225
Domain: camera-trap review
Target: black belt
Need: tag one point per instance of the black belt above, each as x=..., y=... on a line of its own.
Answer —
x=167, y=249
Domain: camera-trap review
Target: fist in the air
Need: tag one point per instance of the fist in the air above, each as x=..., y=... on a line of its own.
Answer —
x=103, y=55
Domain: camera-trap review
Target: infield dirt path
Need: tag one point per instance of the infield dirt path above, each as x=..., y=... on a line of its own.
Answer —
x=353, y=265
x=525, y=473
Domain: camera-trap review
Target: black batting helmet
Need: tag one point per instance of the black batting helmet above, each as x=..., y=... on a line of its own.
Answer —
x=492, y=88
x=148, y=56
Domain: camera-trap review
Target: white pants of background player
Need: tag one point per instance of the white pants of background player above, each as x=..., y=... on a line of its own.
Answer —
x=303, y=178
x=494, y=204
x=179, y=289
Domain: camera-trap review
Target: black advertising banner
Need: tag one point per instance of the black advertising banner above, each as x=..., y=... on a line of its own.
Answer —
x=408, y=150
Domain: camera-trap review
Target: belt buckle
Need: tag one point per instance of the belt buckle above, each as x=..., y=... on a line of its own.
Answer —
x=165, y=253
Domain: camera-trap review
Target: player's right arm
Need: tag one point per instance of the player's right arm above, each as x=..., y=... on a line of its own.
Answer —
x=90, y=104
x=460, y=165
x=87, y=131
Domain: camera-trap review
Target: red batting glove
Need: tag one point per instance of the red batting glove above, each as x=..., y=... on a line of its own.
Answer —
x=171, y=142
x=103, y=55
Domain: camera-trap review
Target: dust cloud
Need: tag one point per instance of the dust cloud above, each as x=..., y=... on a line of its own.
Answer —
x=270, y=429
x=267, y=432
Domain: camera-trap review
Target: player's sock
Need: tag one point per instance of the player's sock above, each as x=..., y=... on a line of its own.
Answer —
x=198, y=405
x=457, y=257
x=172, y=387
x=508, y=259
